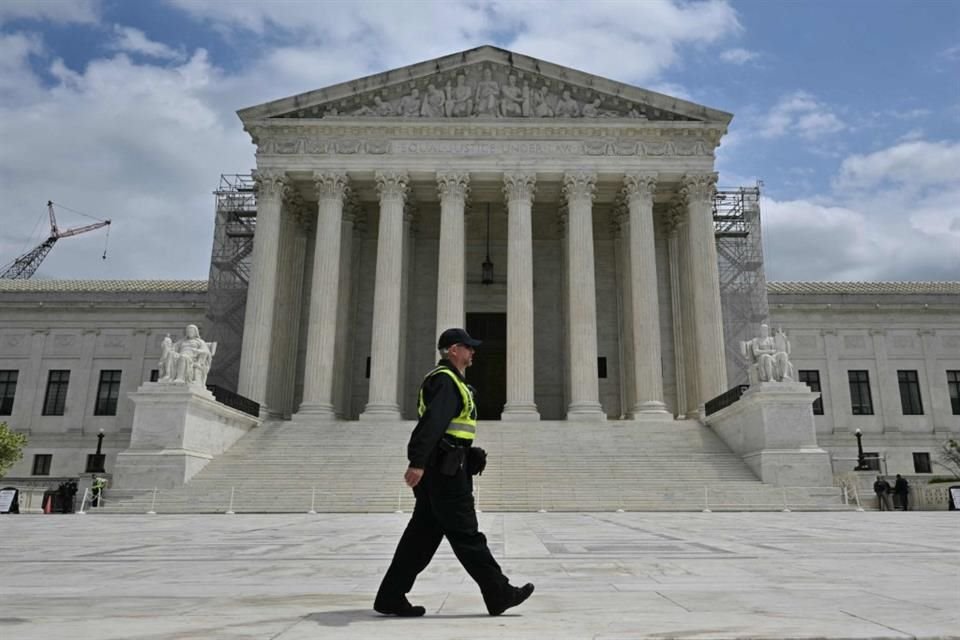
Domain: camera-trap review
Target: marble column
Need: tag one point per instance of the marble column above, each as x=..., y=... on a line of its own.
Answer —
x=578, y=188
x=621, y=229
x=262, y=290
x=385, y=343
x=675, y=220
x=318, y=371
x=697, y=191
x=691, y=408
x=290, y=272
x=645, y=330
x=344, y=336
x=837, y=383
x=453, y=188
x=518, y=190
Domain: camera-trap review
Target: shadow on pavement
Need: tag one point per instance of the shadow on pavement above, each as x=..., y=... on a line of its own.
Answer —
x=347, y=616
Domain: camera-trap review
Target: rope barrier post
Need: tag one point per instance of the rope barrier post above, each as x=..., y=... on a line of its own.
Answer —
x=856, y=496
x=620, y=508
x=399, y=498
x=153, y=503
x=541, y=509
x=706, y=499
x=313, y=501
x=786, y=509
x=83, y=502
x=229, y=511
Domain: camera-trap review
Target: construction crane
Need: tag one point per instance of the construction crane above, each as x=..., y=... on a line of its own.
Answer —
x=26, y=265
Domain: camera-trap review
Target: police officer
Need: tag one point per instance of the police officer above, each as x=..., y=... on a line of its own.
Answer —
x=441, y=462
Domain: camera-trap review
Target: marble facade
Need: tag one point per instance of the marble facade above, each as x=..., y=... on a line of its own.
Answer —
x=383, y=178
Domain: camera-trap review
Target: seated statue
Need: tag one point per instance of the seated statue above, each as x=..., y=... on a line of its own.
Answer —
x=769, y=357
x=188, y=360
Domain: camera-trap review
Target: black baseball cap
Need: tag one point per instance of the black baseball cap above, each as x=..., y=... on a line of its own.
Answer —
x=451, y=337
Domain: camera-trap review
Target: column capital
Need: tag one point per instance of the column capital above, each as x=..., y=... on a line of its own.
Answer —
x=639, y=187
x=271, y=183
x=563, y=216
x=698, y=187
x=676, y=217
x=620, y=218
x=351, y=208
x=331, y=185
x=453, y=185
x=392, y=185
x=519, y=185
x=579, y=185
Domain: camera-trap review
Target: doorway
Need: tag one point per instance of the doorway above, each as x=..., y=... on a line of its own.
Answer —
x=488, y=375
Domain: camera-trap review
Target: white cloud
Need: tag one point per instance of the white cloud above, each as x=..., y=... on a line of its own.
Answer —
x=136, y=41
x=892, y=215
x=58, y=11
x=738, y=56
x=800, y=114
x=913, y=164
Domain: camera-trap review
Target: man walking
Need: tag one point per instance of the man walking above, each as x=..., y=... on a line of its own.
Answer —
x=442, y=461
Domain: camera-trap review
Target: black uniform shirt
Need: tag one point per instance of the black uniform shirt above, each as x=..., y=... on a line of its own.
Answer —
x=443, y=403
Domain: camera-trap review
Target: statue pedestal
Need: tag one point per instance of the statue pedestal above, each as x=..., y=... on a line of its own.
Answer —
x=177, y=430
x=771, y=427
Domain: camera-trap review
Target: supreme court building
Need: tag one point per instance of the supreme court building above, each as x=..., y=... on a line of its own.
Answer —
x=380, y=199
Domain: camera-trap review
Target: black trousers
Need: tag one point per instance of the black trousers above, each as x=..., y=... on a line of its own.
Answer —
x=444, y=507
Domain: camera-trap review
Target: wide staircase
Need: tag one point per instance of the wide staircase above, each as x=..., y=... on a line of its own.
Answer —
x=551, y=466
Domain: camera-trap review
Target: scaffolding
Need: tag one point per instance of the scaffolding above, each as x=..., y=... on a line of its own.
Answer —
x=236, y=220
x=743, y=285
x=736, y=216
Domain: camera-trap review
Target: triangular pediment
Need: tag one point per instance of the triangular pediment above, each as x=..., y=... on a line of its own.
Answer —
x=486, y=82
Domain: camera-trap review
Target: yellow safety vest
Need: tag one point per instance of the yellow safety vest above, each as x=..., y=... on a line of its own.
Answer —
x=464, y=425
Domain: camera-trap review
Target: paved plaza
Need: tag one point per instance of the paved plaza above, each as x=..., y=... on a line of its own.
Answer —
x=598, y=575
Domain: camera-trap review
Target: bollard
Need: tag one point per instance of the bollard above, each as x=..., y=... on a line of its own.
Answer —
x=313, y=501
x=786, y=509
x=399, y=498
x=706, y=499
x=153, y=503
x=541, y=509
x=229, y=511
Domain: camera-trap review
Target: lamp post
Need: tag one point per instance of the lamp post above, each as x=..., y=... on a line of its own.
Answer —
x=98, y=458
x=861, y=461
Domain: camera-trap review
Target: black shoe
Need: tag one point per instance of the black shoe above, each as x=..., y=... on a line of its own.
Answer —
x=401, y=608
x=515, y=596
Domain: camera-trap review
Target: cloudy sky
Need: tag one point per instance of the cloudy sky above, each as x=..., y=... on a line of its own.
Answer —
x=849, y=112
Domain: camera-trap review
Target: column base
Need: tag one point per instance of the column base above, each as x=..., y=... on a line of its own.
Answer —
x=315, y=413
x=591, y=411
x=381, y=413
x=651, y=410
x=520, y=413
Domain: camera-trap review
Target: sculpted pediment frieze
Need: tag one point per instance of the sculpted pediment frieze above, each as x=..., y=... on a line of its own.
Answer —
x=486, y=90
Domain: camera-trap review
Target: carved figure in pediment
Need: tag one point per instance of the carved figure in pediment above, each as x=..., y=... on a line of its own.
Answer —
x=592, y=109
x=567, y=106
x=409, y=106
x=433, y=103
x=459, y=99
x=636, y=114
x=540, y=99
x=381, y=108
x=488, y=95
x=511, y=99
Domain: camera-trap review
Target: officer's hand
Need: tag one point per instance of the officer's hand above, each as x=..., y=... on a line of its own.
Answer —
x=412, y=476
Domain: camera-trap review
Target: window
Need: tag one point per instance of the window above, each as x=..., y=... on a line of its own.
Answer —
x=953, y=383
x=41, y=464
x=860, y=400
x=910, y=393
x=56, y=399
x=602, y=367
x=95, y=462
x=154, y=375
x=8, y=388
x=812, y=378
x=107, y=393
x=872, y=460
x=921, y=462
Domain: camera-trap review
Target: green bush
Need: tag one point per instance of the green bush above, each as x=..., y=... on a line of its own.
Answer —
x=11, y=447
